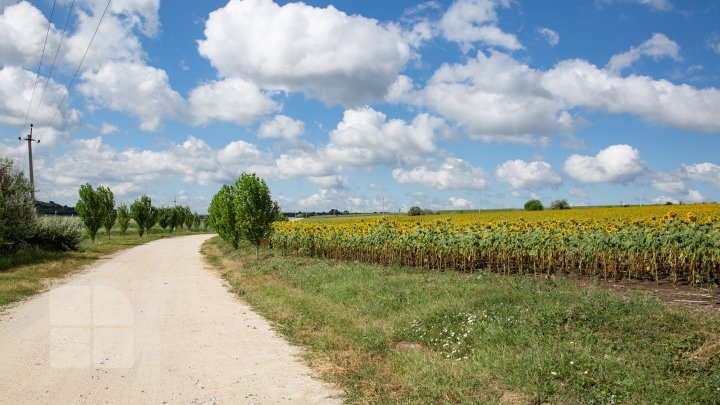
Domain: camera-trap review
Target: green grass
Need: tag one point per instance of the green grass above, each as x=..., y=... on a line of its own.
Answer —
x=29, y=271
x=403, y=335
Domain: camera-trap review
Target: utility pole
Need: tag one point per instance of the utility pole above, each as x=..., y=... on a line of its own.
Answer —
x=30, y=141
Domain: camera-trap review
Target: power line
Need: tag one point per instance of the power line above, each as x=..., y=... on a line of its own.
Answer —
x=57, y=52
x=42, y=56
x=67, y=89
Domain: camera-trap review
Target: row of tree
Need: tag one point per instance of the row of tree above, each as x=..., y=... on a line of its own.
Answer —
x=96, y=208
x=244, y=211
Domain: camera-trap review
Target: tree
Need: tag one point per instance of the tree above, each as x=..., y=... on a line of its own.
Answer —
x=196, y=221
x=123, y=217
x=221, y=215
x=152, y=218
x=17, y=208
x=187, y=217
x=415, y=211
x=91, y=208
x=141, y=211
x=109, y=214
x=255, y=210
x=178, y=216
x=534, y=205
x=560, y=205
x=164, y=217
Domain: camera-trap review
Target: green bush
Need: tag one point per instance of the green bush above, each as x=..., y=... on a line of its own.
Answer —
x=560, y=205
x=57, y=233
x=17, y=209
x=534, y=205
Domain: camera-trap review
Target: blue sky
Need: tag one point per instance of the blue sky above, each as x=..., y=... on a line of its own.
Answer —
x=363, y=105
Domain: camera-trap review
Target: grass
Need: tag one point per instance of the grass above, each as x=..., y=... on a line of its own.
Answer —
x=29, y=271
x=403, y=335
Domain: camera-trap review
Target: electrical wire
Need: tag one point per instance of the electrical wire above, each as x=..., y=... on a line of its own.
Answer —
x=57, y=52
x=42, y=56
x=67, y=89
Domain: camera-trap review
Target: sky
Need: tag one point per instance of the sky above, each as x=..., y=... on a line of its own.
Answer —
x=366, y=105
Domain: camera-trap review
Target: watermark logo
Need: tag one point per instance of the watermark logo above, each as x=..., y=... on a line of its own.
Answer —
x=91, y=326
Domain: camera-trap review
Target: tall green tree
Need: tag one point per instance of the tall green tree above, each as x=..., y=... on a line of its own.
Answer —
x=123, y=217
x=141, y=211
x=188, y=217
x=255, y=210
x=152, y=219
x=178, y=217
x=164, y=217
x=91, y=209
x=17, y=208
x=221, y=215
x=108, y=202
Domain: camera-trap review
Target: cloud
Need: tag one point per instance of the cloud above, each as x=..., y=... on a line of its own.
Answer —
x=193, y=161
x=16, y=87
x=534, y=175
x=658, y=46
x=669, y=184
x=233, y=100
x=366, y=137
x=614, y=164
x=655, y=5
x=330, y=182
x=577, y=83
x=453, y=174
x=496, y=98
x=713, y=42
x=457, y=202
x=281, y=126
x=702, y=172
x=23, y=29
x=115, y=41
x=138, y=89
x=107, y=129
x=692, y=196
x=471, y=21
x=552, y=37
x=300, y=164
x=322, y=52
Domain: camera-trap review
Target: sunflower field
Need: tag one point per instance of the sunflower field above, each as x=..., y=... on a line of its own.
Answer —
x=648, y=242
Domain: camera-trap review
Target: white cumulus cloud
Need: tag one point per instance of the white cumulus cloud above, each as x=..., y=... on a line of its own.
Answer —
x=281, y=126
x=135, y=88
x=323, y=52
x=234, y=100
x=23, y=29
x=453, y=174
x=703, y=172
x=657, y=47
x=577, y=83
x=365, y=137
x=471, y=21
x=496, y=97
x=534, y=175
x=614, y=164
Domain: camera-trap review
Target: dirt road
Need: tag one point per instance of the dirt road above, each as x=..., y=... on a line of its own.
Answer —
x=149, y=325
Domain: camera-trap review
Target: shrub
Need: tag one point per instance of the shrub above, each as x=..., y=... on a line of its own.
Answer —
x=415, y=211
x=57, y=233
x=560, y=205
x=534, y=205
x=17, y=208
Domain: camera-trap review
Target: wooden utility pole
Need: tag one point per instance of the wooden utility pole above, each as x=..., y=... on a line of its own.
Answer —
x=30, y=141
